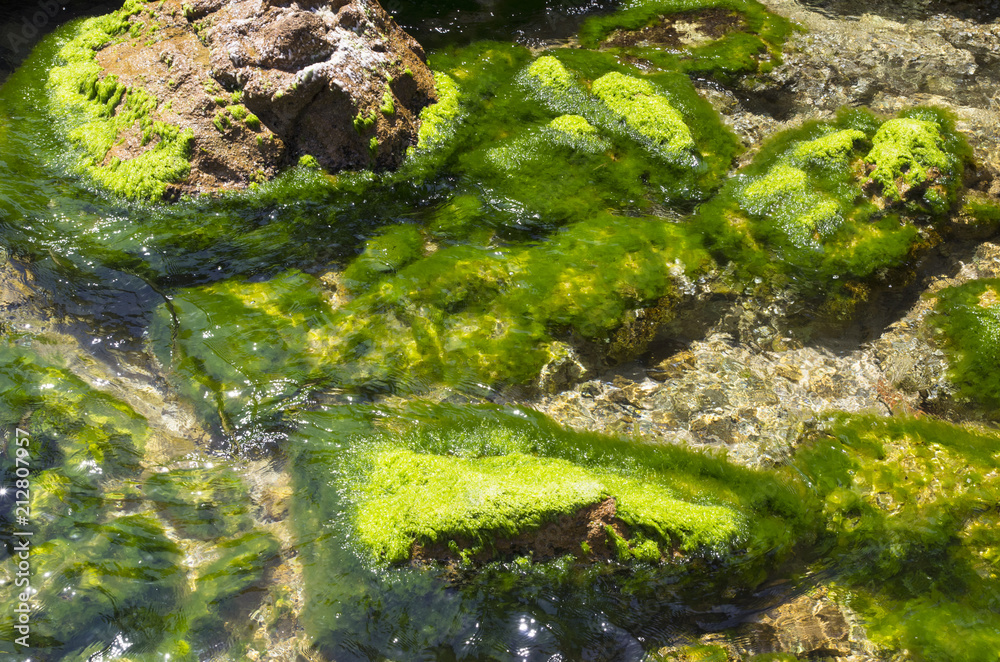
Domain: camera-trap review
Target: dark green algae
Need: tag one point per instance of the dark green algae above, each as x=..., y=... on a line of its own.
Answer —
x=967, y=318
x=104, y=566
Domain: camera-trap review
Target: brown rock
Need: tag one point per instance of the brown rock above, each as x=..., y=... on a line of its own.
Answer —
x=261, y=84
x=563, y=535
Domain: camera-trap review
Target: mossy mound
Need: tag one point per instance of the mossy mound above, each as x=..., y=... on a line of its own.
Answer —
x=725, y=39
x=96, y=111
x=412, y=498
x=503, y=488
x=481, y=476
x=911, y=508
x=805, y=208
x=968, y=317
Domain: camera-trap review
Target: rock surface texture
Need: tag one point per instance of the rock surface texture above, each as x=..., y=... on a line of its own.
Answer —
x=262, y=84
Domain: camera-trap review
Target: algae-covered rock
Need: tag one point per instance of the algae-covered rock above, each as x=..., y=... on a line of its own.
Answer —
x=968, y=317
x=644, y=111
x=912, y=159
x=725, y=39
x=162, y=99
x=911, y=508
x=506, y=487
x=805, y=209
x=367, y=485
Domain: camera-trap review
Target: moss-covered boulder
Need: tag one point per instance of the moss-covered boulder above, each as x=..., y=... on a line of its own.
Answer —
x=504, y=510
x=837, y=206
x=162, y=98
x=484, y=485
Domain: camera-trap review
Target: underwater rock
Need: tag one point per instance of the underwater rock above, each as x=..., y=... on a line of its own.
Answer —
x=191, y=98
x=722, y=394
x=923, y=353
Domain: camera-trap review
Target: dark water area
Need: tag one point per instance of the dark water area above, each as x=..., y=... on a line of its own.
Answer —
x=213, y=388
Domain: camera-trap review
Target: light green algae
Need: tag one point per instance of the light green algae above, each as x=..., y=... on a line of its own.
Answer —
x=411, y=497
x=437, y=118
x=574, y=125
x=904, y=150
x=644, y=111
x=95, y=111
x=551, y=74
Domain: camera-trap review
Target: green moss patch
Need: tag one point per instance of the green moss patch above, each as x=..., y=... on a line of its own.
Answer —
x=740, y=36
x=436, y=119
x=911, y=509
x=804, y=208
x=968, y=317
x=908, y=155
x=96, y=112
x=644, y=111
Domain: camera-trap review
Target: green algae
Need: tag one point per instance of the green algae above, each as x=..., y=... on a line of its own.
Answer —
x=95, y=112
x=803, y=210
x=574, y=125
x=412, y=497
x=395, y=248
x=411, y=608
x=436, y=120
x=479, y=474
x=751, y=46
x=968, y=318
x=102, y=565
x=643, y=110
x=910, y=506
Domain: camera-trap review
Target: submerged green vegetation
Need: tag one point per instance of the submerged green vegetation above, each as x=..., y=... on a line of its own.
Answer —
x=911, y=510
x=102, y=562
x=968, y=318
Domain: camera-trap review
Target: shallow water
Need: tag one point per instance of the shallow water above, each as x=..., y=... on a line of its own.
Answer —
x=199, y=390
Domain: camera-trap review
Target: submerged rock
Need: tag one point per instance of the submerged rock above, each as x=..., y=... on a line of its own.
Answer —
x=167, y=98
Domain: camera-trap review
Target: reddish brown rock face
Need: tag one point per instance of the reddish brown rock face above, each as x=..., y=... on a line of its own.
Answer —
x=315, y=71
x=341, y=82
